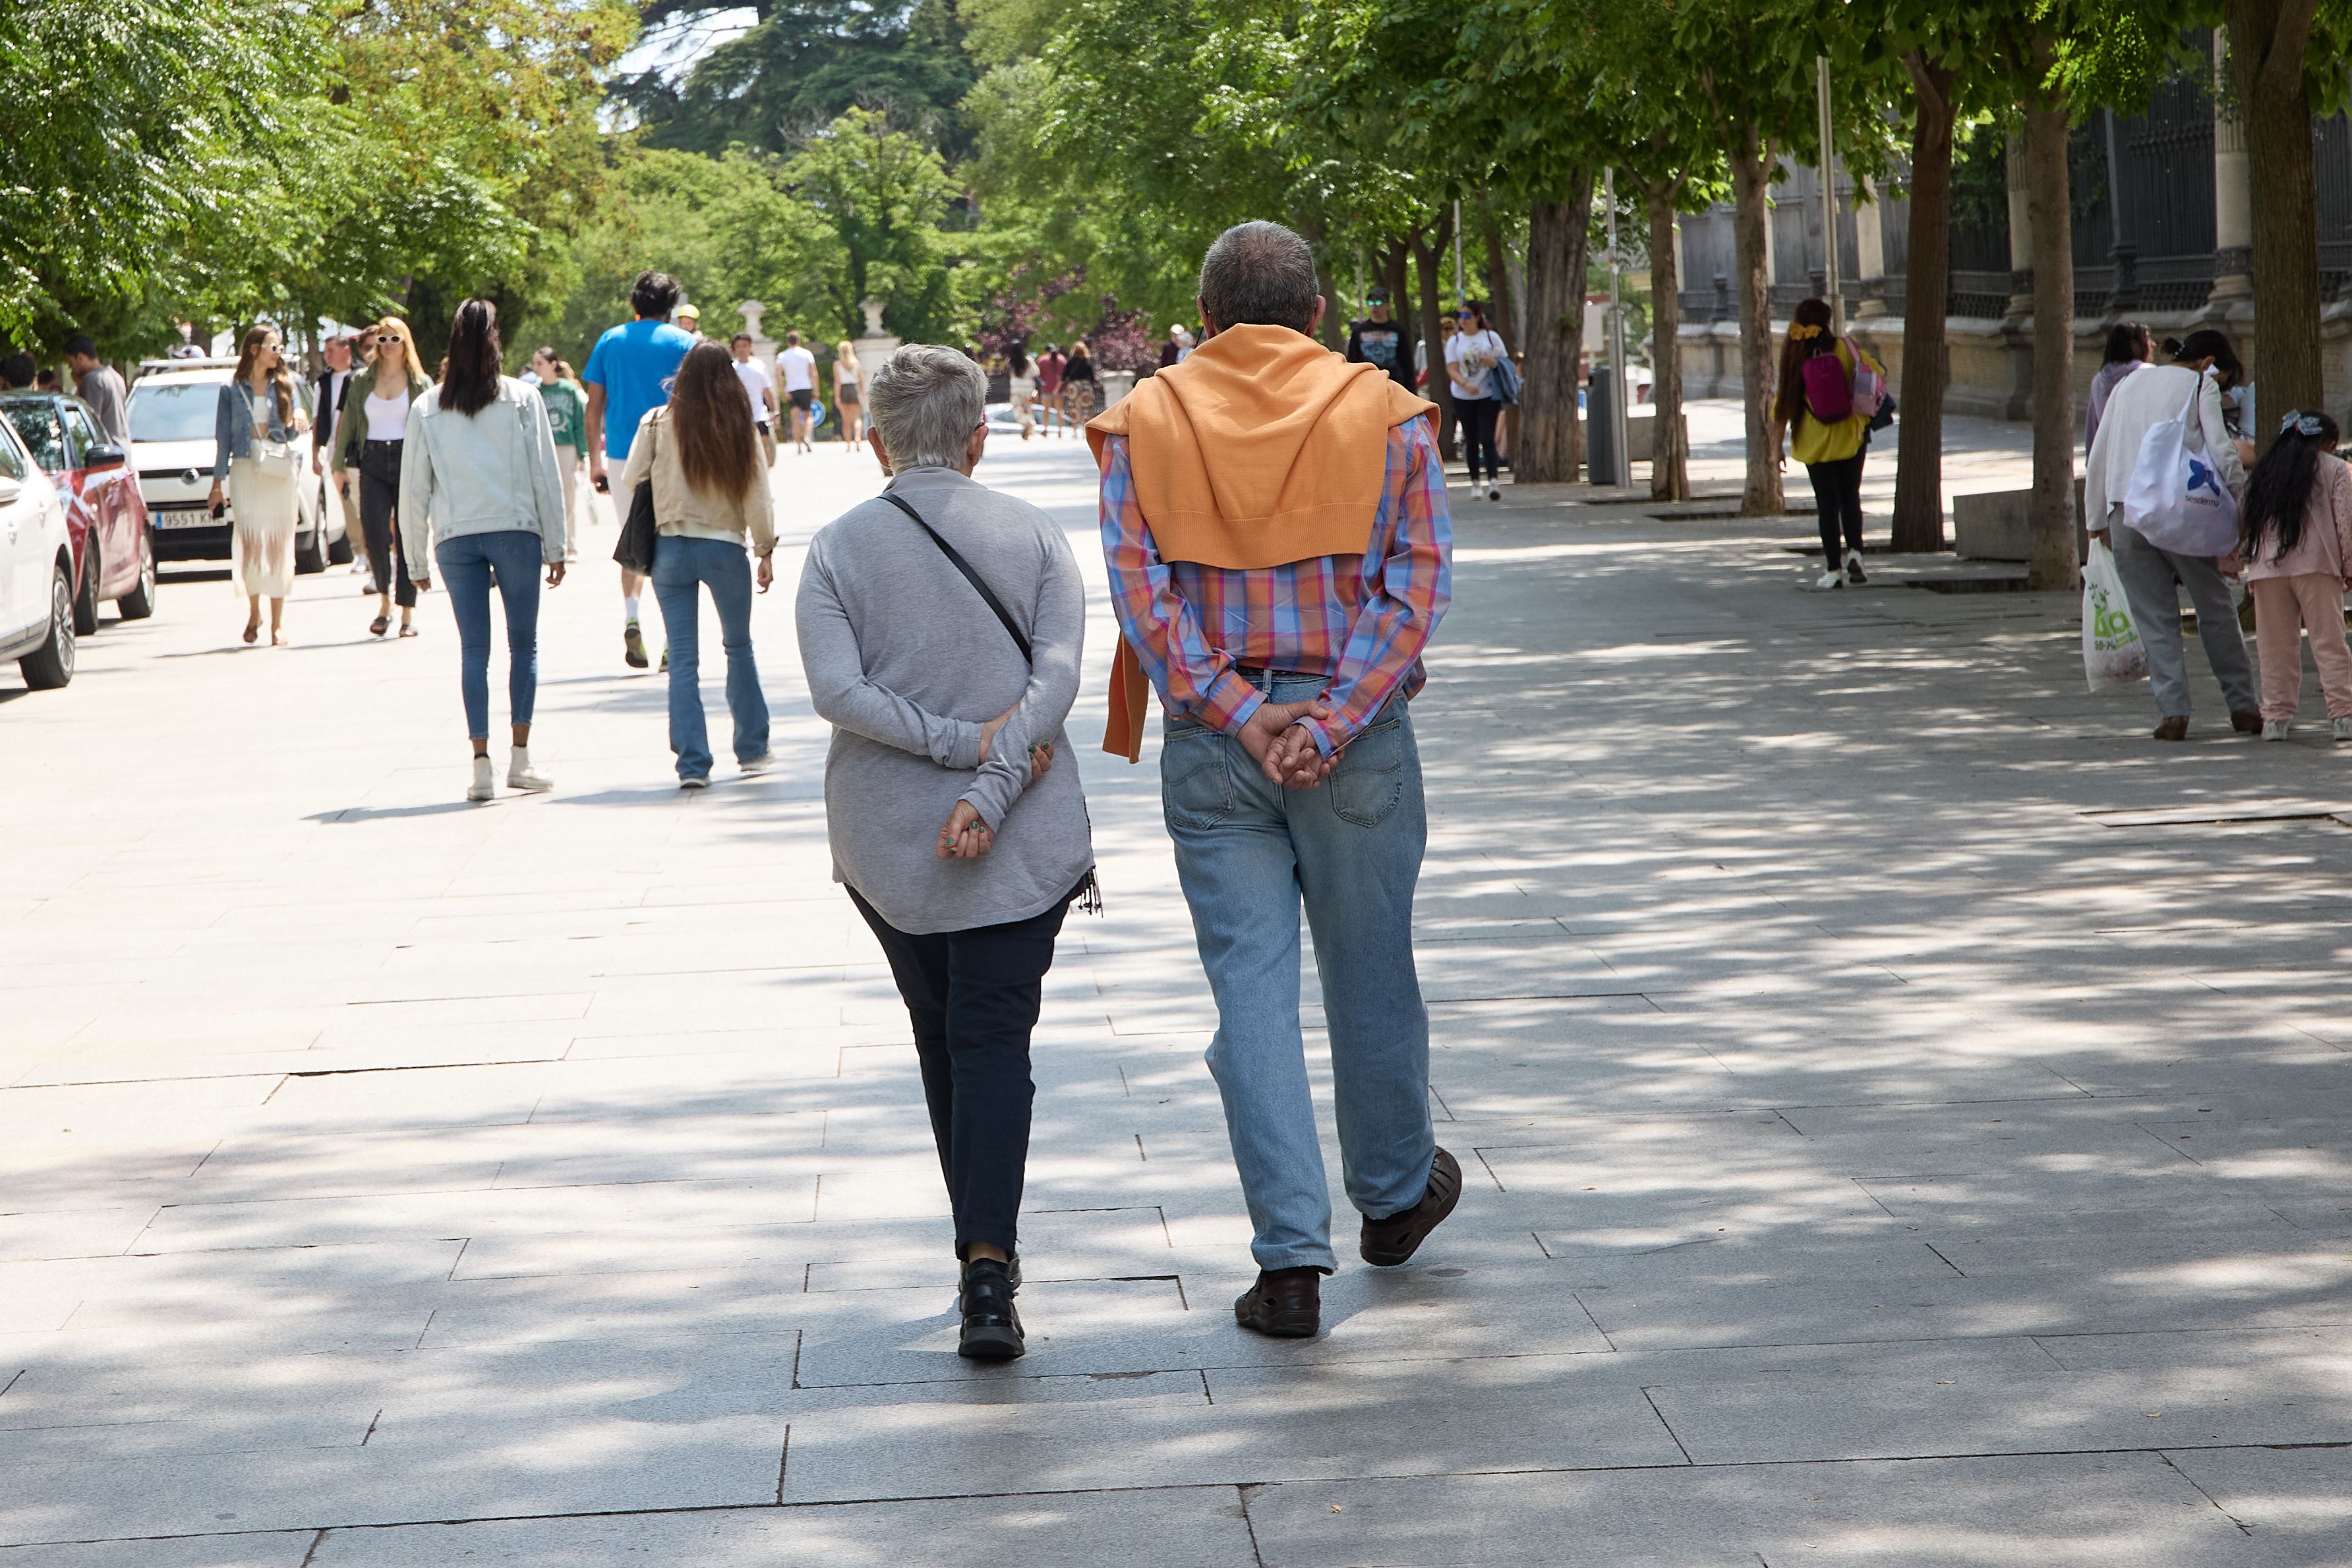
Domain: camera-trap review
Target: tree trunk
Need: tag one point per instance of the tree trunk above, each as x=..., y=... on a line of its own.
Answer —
x=2056, y=562
x=2268, y=41
x=1393, y=258
x=1752, y=173
x=1669, y=447
x=1926, y=367
x=1500, y=314
x=1550, y=449
x=1428, y=254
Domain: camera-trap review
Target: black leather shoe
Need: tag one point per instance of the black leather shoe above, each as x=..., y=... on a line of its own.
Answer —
x=992, y=1329
x=1389, y=1242
x=2246, y=720
x=1286, y=1304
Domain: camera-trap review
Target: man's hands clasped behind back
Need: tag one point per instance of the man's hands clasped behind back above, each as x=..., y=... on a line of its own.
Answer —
x=1279, y=743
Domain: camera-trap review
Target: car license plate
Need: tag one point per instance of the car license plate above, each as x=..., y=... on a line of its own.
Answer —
x=195, y=518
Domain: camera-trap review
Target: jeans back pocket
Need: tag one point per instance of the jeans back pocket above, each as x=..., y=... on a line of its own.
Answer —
x=1196, y=780
x=1370, y=780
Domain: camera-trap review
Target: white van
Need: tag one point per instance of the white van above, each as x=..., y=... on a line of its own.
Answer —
x=172, y=407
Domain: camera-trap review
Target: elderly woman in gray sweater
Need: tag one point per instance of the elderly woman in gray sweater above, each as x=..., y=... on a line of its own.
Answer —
x=941, y=628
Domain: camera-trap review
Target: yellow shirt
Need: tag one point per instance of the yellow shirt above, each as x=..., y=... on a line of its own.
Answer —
x=1813, y=442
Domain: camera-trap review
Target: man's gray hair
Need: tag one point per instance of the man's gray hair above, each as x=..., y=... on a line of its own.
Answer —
x=926, y=400
x=1259, y=274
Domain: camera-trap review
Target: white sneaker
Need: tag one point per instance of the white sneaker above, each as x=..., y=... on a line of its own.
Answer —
x=698, y=782
x=484, y=786
x=1829, y=580
x=1853, y=570
x=1494, y=492
x=759, y=764
x=2276, y=729
x=521, y=775
x=2344, y=729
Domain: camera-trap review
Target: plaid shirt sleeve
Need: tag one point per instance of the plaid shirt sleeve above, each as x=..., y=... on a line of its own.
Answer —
x=1194, y=680
x=1408, y=580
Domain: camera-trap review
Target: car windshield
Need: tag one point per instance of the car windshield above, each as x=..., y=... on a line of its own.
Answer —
x=174, y=410
x=38, y=423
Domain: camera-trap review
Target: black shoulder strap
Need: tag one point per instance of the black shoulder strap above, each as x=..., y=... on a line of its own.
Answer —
x=956, y=559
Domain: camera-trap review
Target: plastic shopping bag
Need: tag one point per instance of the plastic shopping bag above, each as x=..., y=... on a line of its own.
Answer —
x=2112, y=654
x=2177, y=500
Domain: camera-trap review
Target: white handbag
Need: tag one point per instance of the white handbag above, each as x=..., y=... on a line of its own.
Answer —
x=2177, y=501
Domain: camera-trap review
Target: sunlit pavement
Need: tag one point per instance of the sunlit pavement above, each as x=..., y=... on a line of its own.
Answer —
x=1903, y=1108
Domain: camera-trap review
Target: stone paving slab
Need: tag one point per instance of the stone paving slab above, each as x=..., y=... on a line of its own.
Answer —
x=1862, y=1044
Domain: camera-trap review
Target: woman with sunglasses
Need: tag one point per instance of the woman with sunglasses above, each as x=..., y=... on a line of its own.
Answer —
x=1471, y=355
x=374, y=425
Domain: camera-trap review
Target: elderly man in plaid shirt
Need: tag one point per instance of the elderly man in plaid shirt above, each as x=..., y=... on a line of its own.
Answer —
x=1276, y=525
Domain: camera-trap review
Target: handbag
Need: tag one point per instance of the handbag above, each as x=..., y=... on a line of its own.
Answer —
x=635, y=550
x=2176, y=500
x=1867, y=389
x=955, y=558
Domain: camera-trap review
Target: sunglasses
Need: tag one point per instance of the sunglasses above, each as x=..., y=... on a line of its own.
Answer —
x=383, y=338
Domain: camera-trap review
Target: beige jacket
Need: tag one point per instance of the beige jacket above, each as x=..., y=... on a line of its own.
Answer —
x=682, y=511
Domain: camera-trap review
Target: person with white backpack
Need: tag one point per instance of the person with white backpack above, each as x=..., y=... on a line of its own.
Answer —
x=2161, y=489
x=1828, y=430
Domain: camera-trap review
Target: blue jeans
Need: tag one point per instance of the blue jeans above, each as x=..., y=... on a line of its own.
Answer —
x=1247, y=852
x=680, y=565
x=466, y=563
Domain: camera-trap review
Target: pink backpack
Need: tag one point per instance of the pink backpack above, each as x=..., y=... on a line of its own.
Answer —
x=1829, y=395
x=1869, y=390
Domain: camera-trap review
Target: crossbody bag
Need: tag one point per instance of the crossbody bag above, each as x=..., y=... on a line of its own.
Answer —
x=955, y=560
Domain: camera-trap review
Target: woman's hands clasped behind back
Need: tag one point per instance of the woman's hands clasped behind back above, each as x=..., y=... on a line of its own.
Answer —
x=965, y=837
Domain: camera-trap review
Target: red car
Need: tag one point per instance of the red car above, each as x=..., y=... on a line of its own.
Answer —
x=113, y=543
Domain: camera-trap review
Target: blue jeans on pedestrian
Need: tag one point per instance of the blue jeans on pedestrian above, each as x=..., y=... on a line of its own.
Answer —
x=681, y=565
x=466, y=563
x=1247, y=852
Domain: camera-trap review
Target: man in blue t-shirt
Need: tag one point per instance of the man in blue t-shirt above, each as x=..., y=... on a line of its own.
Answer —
x=628, y=375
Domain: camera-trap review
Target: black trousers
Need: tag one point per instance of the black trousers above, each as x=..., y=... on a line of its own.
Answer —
x=379, y=500
x=973, y=997
x=1837, y=497
x=1478, y=416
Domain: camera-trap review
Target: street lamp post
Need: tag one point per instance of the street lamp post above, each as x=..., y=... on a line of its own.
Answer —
x=1621, y=463
x=1828, y=198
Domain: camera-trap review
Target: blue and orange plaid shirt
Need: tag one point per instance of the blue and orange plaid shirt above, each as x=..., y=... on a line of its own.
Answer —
x=1358, y=620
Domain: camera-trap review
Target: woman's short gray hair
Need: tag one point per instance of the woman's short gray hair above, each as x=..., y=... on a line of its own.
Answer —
x=926, y=400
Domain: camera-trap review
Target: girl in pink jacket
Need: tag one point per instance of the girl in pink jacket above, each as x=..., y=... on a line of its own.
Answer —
x=2295, y=530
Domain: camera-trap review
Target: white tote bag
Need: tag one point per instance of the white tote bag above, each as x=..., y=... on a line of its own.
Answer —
x=2113, y=657
x=2177, y=500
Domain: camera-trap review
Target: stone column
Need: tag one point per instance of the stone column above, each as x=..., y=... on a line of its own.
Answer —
x=2021, y=233
x=1870, y=251
x=2233, y=201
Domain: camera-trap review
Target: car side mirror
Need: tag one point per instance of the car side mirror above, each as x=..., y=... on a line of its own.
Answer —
x=9, y=489
x=107, y=456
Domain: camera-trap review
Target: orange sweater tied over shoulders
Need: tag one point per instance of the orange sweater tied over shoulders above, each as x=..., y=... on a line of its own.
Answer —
x=1262, y=447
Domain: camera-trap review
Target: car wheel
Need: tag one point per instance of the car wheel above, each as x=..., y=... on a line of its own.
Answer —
x=85, y=603
x=308, y=557
x=140, y=602
x=51, y=665
x=340, y=552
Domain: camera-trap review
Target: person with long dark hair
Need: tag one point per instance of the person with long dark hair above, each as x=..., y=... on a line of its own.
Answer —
x=2295, y=534
x=253, y=428
x=1471, y=356
x=482, y=494
x=371, y=437
x=1079, y=388
x=2128, y=348
x=710, y=491
x=1831, y=441
x=2204, y=363
x=1021, y=385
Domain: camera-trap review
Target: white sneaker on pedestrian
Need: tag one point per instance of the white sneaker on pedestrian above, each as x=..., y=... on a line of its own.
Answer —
x=521, y=775
x=2276, y=729
x=699, y=782
x=1829, y=580
x=759, y=764
x=1853, y=570
x=2344, y=729
x=484, y=786
x=1494, y=492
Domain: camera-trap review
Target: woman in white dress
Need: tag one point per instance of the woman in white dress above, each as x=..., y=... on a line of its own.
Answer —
x=255, y=429
x=1022, y=383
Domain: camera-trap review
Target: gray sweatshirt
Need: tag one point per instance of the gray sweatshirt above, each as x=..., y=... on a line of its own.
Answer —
x=907, y=662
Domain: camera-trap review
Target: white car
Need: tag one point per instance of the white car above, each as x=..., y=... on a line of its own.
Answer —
x=36, y=569
x=172, y=405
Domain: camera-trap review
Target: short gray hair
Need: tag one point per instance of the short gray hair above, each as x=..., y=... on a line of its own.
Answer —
x=926, y=400
x=1259, y=274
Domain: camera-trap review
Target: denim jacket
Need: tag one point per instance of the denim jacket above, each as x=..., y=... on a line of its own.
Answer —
x=478, y=474
x=233, y=426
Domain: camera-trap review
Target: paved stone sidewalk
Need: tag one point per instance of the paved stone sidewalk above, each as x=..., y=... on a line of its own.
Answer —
x=1904, y=1112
